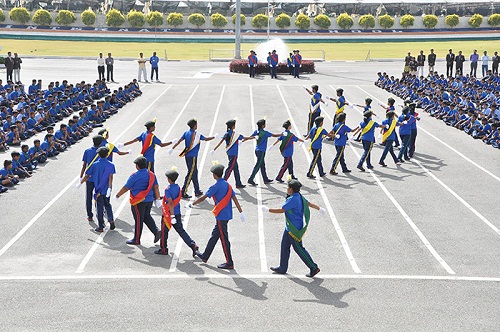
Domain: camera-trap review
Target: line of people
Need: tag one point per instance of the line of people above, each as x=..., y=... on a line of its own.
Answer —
x=293, y=62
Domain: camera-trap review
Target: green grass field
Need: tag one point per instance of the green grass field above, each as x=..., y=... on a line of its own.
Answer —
x=200, y=51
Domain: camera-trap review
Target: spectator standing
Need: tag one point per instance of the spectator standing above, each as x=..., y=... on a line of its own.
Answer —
x=459, y=59
x=420, y=63
x=17, y=68
x=407, y=63
x=450, y=58
x=474, y=57
x=484, y=59
x=431, y=58
x=495, y=61
x=142, y=68
x=9, y=65
x=109, y=67
x=100, y=67
x=153, y=60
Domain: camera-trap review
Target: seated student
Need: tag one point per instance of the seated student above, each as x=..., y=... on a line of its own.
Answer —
x=12, y=136
x=50, y=147
x=472, y=124
x=495, y=137
x=451, y=115
x=36, y=153
x=460, y=124
x=75, y=136
x=17, y=168
x=28, y=162
x=492, y=135
x=482, y=130
x=6, y=177
x=3, y=142
x=63, y=135
x=77, y=128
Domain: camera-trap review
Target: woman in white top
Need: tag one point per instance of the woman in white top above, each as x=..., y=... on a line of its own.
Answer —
x=485, y=58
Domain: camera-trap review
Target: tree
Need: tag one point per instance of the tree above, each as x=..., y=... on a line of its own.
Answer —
x=407, y=20
x=494, y=20
x=282, y=21
x=242, y=19
x=2, y=15
x=196, y=19
x=154, y=18
x=20, y=15
x=452, y=20
x=345, y=21
x=323, y=21
x=366, y=21
x=218, y=20
x=42, y=17
x=476, y=20
x=386, y=21
x=136, y=18
x=88, y=17
x=65, y=17
x=430, y=21
x=259, y=21
x=114, y=18
x=175, y=19
x=302, y=21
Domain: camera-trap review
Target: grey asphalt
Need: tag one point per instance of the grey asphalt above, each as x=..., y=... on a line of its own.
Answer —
x=425, y=244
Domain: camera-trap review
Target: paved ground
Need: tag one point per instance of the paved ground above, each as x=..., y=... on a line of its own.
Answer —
x=411, y=247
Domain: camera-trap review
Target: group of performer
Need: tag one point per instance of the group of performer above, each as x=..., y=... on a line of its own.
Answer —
x=293, y=62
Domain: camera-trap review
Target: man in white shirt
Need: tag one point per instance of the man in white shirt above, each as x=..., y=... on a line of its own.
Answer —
x=142, y=68
x=485, y=58
x=100, y=67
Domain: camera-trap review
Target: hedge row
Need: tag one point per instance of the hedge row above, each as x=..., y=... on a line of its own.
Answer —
x=115, y=18
x=241, y=66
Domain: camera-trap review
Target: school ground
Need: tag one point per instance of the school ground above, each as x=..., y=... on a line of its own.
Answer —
x=413, y=247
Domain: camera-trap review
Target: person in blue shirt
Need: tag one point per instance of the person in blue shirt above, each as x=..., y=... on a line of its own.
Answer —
x=297, y=214
x=171, y=210
x=48, y=146
x=367, y=107
x=339, y=132
x=27, y=160
x=17, y=168
x=297, y=63
x=149, y=142
x=252, y=63
x=143, y=187
x=390, y=108
x=261, y=135
x=90, y=156
x=286, y=149
x=274, y=64
x=101, y=172
x=315, y=107
x=388, y=136
x=405, y=120
x=153, y=60
x=367, y=132
x=192, y=139
x=111, y=147
x=7, y=178
x=316, y=135
x=223, y=196
x=289, y=63
x=269, y=63
x=482, y=130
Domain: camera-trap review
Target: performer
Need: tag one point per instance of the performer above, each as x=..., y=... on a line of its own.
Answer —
x=149, y=143
x=252, y=62
x=286, y=149
x=111, y=147
x=223, y=194
x=339, y=132
x=143, y=187
x=340, y=103
x=297, y=63
x=192, y=139
x=314, y=108
x=388, y=136
x=289, y=63
x=366, y=107
x=316, y=136
x=89, y=157
x=413, y=139
x=405, y=120
x=297, y=215
x=390, y=108
x=367, y=132
x=274, y=64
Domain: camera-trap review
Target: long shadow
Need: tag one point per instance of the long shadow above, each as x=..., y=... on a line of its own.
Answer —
x=191, y=268
x=337, y=184
x=322, y=294
x=390, y=176
x=360, y=180
x=403, y=169
x=248, y=197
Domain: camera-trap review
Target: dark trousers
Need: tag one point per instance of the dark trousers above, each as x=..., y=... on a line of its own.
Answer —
x=260, y=165
x=388, y=149
x=179, y=229
x=151, y=166
x=296, y=71
x=233, y=167
x=287, y=165
x=405, y=141
x=9, y=74
x=192, y=175
x=316, y=161
x=473, y=69
x=103, y=203
x=494, y=68
x=413, y=139
x=219, y=231
x=154, y=70
x=251, y=71
x=88, y=198
x=449, y=69
x=291, y=69
x=274, y=71
x=396, y=140
x=109, y=72
x=367, y=152
x=484, y=69
x=459, y=70
x=339, y=158
x=100, y=70
x=142, y=215
x=310, y=121
x=298, y=247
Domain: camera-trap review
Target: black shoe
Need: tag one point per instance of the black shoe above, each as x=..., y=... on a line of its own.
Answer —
x=294, y=178
x=99, y=229
x=369, y=167
x=241, y=186
x=198, y=194
x=333, y=173
x=313, y=273
x=280, y=181
x=252, y=183
x=400, y=161
x=186, y=196
x=161, y=251
x=277, y=270
x=226, y=266
x=112, y=225
x=323, y=174
x=382, y=164
x=132, y=242
x=2, y=190
x=311, y=176
x=361, y=168
x=157, y=236
x=268, y=181
x=200, y=256
x=347, y=171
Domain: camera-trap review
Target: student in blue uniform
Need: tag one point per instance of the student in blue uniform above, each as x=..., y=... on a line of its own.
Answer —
x=286, y=149
x=192, y=139
x=6, y=177
x=388, y=136
x=252, y=63
x=149, y=142
x=90, y=156
x=367, y=132
x=223, y=196
x=171, y=212
x=315, y=107
x=261, y=135
x=340, y=104
x=405, y=120
x=414, y=131
x=297, y=63
x=274, y=64
x=289, y=63
x=316, y=135
x=390, y=108
x=17, y=168
x=339, y=132
x=297, y=215
x=366, y=107
x=153, y=60
x=28, y=161
x=111, y=147
x=101, y=172
x=143, y=187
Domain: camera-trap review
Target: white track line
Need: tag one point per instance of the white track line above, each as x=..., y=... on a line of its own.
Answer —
x=329, y=208
x=447, y=145
x=260, y=214
x=187, y=215
x=69, y=185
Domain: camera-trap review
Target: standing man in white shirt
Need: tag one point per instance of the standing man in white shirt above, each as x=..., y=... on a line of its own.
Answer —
x=421, y=64
x=100, y=67
x=142, y=68
x=484, y=59
x=109, y=68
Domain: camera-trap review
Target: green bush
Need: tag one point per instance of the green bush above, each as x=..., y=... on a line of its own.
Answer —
x=242, y=19
x=366, y=21
x=65, y=17
x=476, y=20
x=407, y=20
x=218, y=20
x=175, y=19
x=20, y=15
x=345, y=21
x=42, y=17
x=282, y=21
x=2, y=15
x=430, y=21
x=2, y=60
x=114, y=18
x=494, y=20
x=323, y=21
x=196, y=19
x=136, y=19
x=386, y=21
x=302, y=21
x=452, y=20
x=154, y=19
x=88, y=17
x=259, y=21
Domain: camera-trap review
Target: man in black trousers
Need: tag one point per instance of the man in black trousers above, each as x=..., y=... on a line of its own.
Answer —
x=459, y=59
x=9, y=65
x=450, y=58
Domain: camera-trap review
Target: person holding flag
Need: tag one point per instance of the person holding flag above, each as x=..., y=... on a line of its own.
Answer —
x=89, y=157
x=367, y=132
x=316, y=136
x=297, y=215
x=286, y=149
x=149, y=142
x=143, y=187
x=388, y=136
x=339, y=132
x=252, y=62
x=223, y=196
x=274, y=64
x=171, y=211
x=192, y=139
x=111, y=147
x=314, y=108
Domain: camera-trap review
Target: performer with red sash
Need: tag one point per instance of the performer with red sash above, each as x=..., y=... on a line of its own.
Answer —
x=286, y=149
x=274, y=64
x=149, y=142
x=297, y=215
x=223, y=194
x=297, y=63
x=143, y=187
x=171, y=211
